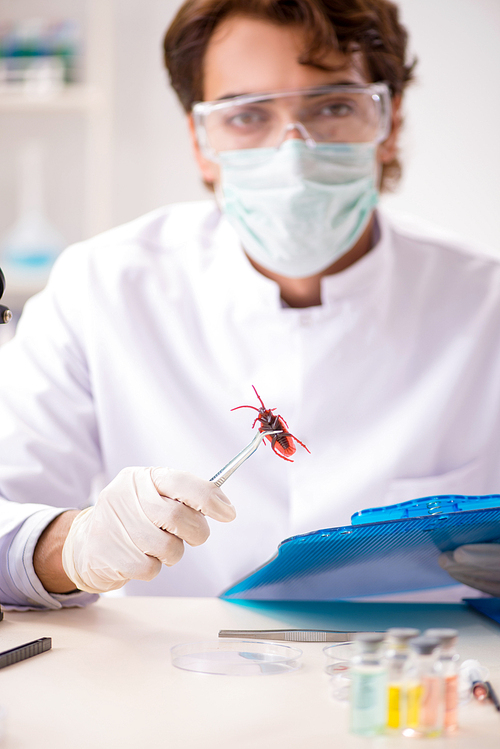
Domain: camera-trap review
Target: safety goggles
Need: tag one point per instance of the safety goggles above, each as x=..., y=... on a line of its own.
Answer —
x=324, y=114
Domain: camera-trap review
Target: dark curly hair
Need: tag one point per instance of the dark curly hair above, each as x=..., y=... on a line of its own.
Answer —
x=371, y=27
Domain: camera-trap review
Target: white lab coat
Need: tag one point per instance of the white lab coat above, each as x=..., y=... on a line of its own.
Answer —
x=148, y=335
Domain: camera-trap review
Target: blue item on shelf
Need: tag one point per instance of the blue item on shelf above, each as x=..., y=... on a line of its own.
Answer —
x=372, y=559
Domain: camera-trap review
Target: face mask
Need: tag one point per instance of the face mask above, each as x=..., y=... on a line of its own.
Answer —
x=298, y=209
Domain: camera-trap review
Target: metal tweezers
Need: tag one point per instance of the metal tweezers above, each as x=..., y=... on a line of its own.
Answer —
x=235, y=463
x=292, y=635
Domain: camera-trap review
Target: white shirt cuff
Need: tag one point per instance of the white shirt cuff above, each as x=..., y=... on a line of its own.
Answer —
x=25, y=589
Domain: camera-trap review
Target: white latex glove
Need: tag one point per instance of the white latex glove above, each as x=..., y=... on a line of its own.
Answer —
x=477, y=565
x=139, y=522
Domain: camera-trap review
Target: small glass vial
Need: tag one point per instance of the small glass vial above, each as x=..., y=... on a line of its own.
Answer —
x=424, y=690
x=396, y=656
x=448, y=658
x=368, y=686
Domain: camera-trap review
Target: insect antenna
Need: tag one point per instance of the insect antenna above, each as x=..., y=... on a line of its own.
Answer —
x=261, y=401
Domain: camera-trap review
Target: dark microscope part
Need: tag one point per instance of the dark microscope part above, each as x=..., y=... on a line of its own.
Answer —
x=5, y=313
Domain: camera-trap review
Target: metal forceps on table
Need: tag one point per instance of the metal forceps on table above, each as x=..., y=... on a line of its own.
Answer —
x=235, y=463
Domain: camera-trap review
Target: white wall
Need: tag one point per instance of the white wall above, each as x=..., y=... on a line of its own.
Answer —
x=153, y=161
x=451, y=144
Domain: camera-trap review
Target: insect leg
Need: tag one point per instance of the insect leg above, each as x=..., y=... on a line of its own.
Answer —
x=300, y=443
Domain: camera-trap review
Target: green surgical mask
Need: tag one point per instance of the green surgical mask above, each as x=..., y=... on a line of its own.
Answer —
x=298, y=209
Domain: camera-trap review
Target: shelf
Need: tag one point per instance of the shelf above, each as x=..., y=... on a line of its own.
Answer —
x=75, y=97
x=87, y=105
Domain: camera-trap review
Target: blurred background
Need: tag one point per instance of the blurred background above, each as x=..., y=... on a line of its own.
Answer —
x=91, y=136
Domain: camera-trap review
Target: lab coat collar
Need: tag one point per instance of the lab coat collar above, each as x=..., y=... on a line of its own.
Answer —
x=232, y=266
x=365, y=274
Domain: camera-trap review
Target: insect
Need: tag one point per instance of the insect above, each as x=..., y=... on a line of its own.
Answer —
x=282, y=443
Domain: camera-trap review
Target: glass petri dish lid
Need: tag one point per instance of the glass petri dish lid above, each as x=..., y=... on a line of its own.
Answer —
x=338, y=662
x=338, y=656
x=236, y=657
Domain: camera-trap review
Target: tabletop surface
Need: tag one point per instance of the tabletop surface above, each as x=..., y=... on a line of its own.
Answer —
x=109, y=682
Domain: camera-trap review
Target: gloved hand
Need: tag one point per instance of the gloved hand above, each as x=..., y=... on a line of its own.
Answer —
x=139, y=522
x=477, y=565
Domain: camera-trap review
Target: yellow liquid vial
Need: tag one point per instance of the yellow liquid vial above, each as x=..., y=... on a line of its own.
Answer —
x=394, y=706
x=414, y=697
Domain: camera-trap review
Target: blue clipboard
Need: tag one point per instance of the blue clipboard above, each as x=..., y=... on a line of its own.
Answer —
x=396, y=553
x=489, y=607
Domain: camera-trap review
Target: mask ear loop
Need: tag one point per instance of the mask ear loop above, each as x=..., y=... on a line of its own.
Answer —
x=219, y=196
x=310, y=142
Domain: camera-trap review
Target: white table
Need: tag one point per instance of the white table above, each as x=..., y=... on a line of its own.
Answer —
x=108, y=681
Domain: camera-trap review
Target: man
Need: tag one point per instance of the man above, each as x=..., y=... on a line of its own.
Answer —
x=378, y=345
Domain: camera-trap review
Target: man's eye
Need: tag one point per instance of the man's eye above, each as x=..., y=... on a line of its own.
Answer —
x=242, y=120
x=337, y=109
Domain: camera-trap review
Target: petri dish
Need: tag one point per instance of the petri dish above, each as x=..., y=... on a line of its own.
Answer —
x=236, y=657
x=337, y=666
x=338, y=656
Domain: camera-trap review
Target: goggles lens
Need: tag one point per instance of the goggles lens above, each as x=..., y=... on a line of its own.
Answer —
x=329, y=114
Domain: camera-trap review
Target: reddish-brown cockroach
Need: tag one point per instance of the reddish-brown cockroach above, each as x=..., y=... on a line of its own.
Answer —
x=282, y=443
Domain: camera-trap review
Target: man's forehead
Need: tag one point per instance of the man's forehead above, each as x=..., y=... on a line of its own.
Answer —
x=307, y=91
x=247, y=55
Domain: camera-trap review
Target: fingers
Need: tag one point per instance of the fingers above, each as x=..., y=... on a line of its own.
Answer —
x=475, y=565
x=491, y=587
x=193, y=492
x=143, y=517
x=161, y=546
x=473, y=559
x=446, y=560
x=184, y=522
x=176, y=502
x=485, y=556
x=136, y=537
